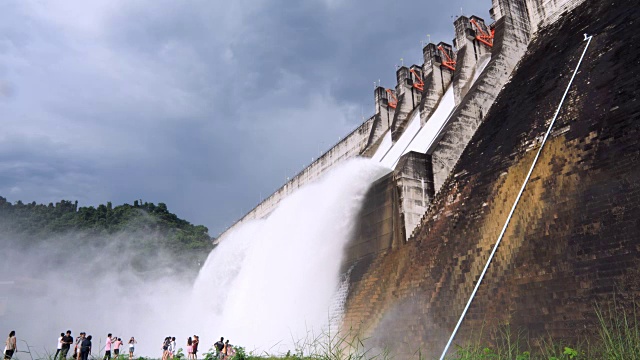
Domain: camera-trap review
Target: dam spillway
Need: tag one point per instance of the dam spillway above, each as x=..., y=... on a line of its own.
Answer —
x=458, y=150
x=280, y=273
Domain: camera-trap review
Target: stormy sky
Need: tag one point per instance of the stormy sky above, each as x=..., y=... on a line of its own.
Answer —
x=207, y=106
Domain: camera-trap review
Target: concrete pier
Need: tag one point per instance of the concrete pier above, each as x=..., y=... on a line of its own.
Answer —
x=437, y=79
x=413, y=178
x=408, y=99
x=470, y=53
x=512, y=34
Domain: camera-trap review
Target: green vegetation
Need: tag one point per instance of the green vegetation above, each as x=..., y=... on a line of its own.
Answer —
x=619, y=333
x=146, y=227
x=325, y=346
x=39, y=220
x=618, y=339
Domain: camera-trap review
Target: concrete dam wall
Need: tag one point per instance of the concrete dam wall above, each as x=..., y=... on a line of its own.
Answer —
x=459, y=133
x=573, y=240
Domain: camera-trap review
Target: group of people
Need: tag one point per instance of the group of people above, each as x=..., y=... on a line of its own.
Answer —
x=115, y=343
x=82, y=346
x=169, y=347
x=224, y=350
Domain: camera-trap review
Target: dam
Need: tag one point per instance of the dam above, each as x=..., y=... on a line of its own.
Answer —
x=457, y=134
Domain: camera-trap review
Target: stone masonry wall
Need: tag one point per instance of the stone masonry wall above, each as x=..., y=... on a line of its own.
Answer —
x=574, y=239
x=544, y=12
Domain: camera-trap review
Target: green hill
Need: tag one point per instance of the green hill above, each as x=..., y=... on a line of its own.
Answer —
x=147, y=228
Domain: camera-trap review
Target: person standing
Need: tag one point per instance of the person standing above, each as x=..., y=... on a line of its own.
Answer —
x=59, y=346
x=196, y=342
x=67, y=340
x=224, y=351
x=228, y=350
x=172, y=347
x=219, y=345
x=85, y=348
x=10, y=345
x=189, y=348
x=116, y=347
x=165, y=347
x=132, y=347
x=107, y=348
x=76, y=350
x=169, y=349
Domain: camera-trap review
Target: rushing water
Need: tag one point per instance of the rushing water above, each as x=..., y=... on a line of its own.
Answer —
x=266, y=284
x=270, y=282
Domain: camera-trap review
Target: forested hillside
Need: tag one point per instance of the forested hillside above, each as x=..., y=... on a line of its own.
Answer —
x=145, y=228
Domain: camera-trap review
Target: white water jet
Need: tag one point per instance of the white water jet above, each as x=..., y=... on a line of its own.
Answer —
x=271, y=281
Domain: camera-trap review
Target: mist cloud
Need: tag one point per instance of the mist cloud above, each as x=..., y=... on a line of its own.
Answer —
x=98, y=284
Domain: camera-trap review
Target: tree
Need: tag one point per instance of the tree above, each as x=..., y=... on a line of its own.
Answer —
x=153, y=227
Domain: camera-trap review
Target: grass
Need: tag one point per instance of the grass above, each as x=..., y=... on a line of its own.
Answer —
x=324, y=346
x=618, y=339
x=619, y=333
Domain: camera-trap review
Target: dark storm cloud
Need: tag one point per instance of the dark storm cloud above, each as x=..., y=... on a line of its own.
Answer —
x=205, y=105
x=47, y=167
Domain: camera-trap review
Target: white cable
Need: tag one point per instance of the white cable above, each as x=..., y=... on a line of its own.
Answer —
x=513, y=208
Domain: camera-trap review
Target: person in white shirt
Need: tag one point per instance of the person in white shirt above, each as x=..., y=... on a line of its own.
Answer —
x=59, y=346
x=172, y=347
x=11, y=346
x=132, y=346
